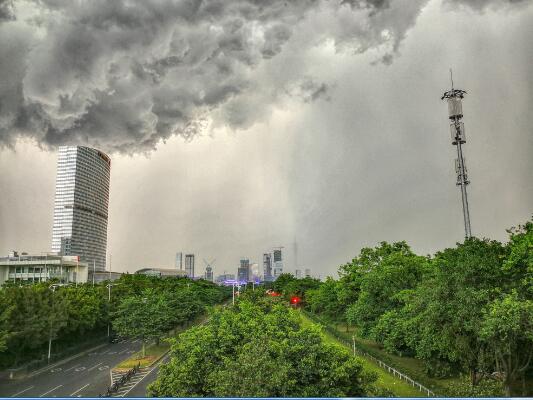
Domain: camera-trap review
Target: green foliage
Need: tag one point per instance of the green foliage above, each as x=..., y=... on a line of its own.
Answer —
x=32, y=313
x=388, y=270
x=262, y=350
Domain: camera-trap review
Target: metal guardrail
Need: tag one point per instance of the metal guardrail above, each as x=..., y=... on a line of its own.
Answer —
x=114, y=388
x=388, y=368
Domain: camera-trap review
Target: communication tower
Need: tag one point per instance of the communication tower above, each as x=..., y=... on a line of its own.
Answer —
x=454, y=97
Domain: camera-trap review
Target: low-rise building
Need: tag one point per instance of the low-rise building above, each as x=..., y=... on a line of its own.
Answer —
x=41, y=268
x=162, y=272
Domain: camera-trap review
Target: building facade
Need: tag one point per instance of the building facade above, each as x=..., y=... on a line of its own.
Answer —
x=267, y=267
x=208, y=276
x=41, y=268
x=308, y=273
x=162, y=272
x=189, y=265
x=81, y=205
x=277, y=269
x=179, y=260
x=243, y=273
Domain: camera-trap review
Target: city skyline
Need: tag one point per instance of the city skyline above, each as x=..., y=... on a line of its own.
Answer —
x=325, y=124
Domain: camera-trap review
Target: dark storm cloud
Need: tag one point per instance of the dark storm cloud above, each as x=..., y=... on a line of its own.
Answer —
x=123, y=77
x=6, y=10
x=482, y=4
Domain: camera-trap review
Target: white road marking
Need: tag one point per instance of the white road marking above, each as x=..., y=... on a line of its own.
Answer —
x=51, y=390
x=22, y=391
x=56, y=369
x=94, y=366
x=103, y=367
x=79, y=369
x=123, y=351
x=112, y=352
x=79, y=390
x=77, y=365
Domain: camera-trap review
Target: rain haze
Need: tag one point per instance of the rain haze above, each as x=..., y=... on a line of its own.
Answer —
x=238, y=126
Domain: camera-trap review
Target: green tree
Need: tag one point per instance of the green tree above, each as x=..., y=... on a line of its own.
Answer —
x=447, y=308
x=146, y=317
x=259, y=350
x=385, y=271
x=507, y=328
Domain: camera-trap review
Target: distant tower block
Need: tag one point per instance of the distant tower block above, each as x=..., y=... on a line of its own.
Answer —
x=454, y=97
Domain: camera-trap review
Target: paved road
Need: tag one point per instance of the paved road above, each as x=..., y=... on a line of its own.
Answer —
x=85, y=376
x=139, y=389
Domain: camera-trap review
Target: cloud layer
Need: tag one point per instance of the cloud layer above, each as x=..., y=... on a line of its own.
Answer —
x=124, y=75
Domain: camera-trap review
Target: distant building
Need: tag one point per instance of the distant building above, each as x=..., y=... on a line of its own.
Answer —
x=179, y=260
x=307, y=273
x=298, y=273
x=278, y=264
x=189, y=265
x=254, y=272
x=81, y=205
x=267, y=266
x=243, y=273
x=41, y=268
x=208, y=273
x=225, y=277
x=162, y=272
x=102, y=276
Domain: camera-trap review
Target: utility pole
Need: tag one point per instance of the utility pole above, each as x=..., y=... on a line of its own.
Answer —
x=454, y=98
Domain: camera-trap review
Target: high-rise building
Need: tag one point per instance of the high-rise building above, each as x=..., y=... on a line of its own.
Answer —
x=267, y=266
x=208, y=274
x=307, y=273
x=81, y=205
x=298, y=273
x=179, y=260
x=278, y=264
x=189, y=265
x=243, y=273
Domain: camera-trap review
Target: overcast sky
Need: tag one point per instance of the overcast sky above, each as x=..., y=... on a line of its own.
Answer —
x=238, y=126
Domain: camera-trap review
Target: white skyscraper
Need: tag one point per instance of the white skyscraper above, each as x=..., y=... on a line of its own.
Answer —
x=81, y=204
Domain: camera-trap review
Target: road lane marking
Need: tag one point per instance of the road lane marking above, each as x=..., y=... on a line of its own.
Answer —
x=94, y=366
x=56, y=369
x=112, y=352
x=123, y=351
x=103, y=367
x=79, y=390
x=79, y=369
x=77, y=365
x=51, y=390
x=22, y=391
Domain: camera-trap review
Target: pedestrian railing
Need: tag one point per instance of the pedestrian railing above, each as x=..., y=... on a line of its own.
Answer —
x=388, y=368
x=115, y=386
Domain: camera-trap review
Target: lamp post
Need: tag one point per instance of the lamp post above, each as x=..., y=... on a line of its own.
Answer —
x=109, y=306
x=53, y=289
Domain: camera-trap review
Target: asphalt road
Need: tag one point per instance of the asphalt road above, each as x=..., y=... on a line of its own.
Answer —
x=84, y=376
x=139, y=390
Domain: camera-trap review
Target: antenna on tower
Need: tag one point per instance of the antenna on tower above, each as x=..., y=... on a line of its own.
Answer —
x=454, y=98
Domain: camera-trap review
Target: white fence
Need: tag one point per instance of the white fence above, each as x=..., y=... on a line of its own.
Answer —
x=388, y=368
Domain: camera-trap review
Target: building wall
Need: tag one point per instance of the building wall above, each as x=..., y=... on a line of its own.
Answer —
x=189, y=265
x=40, y=269
x=81, y=204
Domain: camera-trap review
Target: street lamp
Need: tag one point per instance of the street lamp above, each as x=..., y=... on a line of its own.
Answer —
x=109, y=306
x=53, y=289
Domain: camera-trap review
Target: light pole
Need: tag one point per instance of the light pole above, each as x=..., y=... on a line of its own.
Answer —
x=353, y=339
x=53, y=289
x=109, y=307
x=233, y=292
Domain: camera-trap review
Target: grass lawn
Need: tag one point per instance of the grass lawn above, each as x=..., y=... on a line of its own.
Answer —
x=153, y=353
x=385, y=380
x=408, y=365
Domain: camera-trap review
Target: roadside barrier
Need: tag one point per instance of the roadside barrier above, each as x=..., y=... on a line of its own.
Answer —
x=388, y=368
x=120, y=382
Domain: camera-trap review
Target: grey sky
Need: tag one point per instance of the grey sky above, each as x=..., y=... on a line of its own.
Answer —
x=237, y=126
